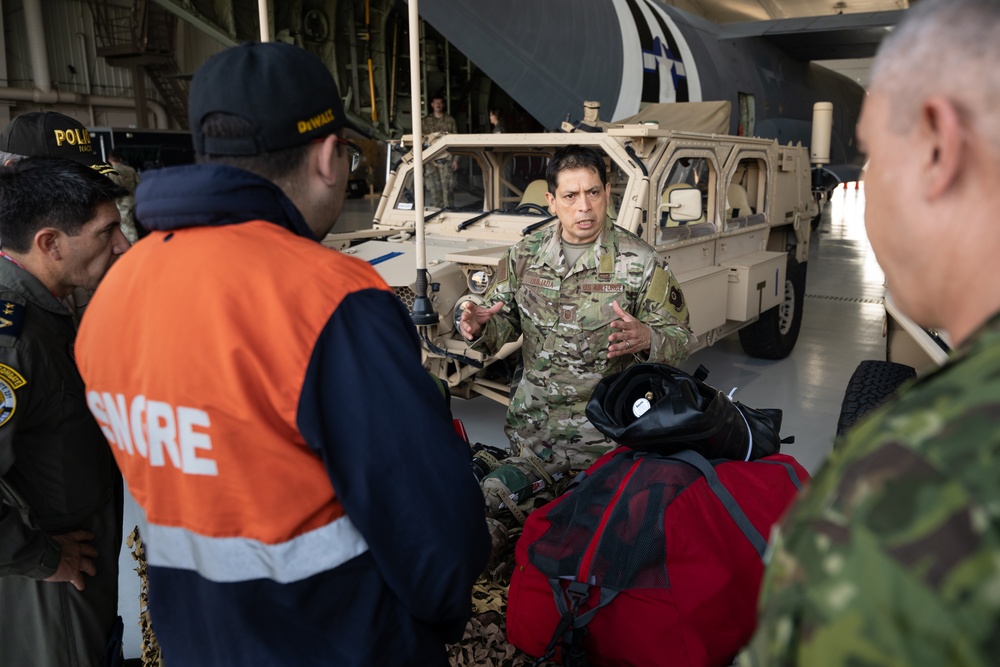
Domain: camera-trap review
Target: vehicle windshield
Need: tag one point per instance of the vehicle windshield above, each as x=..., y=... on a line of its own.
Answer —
x=519, y=182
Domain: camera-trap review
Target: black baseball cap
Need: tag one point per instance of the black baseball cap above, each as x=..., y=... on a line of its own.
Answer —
x=287, y=93
x=51, y=134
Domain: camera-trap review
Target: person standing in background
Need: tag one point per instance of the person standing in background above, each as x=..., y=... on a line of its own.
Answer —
x=439, y=172
x=128, y=178
x=496, y=121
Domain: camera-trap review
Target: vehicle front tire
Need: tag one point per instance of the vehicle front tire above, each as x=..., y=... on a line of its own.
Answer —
x=774, y=335
x=871, y=385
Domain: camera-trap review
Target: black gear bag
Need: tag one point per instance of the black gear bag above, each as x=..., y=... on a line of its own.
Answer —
x=662, y=409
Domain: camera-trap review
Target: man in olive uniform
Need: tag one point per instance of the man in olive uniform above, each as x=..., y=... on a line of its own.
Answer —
x=60, y=491
x=892, y=554
x=439, y=173
x=590, y=298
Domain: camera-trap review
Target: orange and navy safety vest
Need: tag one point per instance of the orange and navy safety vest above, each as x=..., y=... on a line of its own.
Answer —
x=302, y=490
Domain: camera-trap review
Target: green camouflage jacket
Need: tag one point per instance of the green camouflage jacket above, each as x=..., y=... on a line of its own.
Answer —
x=565, y=315
x=892, y=555
x=430, y=124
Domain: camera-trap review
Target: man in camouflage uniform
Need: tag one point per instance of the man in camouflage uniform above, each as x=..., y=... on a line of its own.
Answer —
x=892, y=556
x=439, y=173
x=590, y=298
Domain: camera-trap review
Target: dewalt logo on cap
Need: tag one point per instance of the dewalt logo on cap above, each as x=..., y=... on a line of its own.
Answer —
x=316, y=122
x=78, y=137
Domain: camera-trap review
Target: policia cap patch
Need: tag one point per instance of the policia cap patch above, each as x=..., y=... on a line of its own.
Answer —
x=9, y=381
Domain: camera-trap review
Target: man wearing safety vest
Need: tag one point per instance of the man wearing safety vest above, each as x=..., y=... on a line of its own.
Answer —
x=305, y=498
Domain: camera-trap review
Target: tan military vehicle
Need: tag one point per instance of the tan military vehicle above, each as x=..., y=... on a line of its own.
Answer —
x=731, y=215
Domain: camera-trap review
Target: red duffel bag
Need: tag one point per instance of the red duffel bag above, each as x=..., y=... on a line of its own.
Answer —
x=648, y=560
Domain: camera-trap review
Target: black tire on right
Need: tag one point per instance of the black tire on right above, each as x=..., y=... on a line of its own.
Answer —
x=774, y=334
x=871, y=385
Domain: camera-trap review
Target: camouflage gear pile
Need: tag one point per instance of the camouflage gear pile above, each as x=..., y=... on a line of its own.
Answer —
x=439, y=172
x=892, y=555
x=518, y=479
x=565, y=314
x=484, y=643
x=151, y=656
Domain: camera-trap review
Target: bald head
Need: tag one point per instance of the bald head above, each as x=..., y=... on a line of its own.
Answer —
x=948, y=48
x=932, y=134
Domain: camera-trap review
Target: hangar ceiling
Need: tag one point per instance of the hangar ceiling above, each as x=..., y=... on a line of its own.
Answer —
x=341, y=33
x=727, y=11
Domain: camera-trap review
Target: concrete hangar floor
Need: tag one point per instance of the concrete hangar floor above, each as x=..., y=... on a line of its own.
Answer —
x=841, y=326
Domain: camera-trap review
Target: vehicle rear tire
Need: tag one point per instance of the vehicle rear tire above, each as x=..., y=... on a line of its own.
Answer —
x=871, y=385
x=773, y=336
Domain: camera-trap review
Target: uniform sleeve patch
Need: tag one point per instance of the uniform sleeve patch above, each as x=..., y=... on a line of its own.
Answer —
x=8, y=400
x=11, y=318
x=676, y=297
x=14, y=379
x=658, y=285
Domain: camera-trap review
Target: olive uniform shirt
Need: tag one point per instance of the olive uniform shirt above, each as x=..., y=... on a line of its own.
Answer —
x=57, y=475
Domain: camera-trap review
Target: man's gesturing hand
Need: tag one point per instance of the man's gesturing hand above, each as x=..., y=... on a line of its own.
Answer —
x=631, y=337
x=474, y=317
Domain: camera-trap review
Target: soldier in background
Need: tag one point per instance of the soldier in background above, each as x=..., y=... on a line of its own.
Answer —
x=440, y=172
x=892, y=555
x=128, y=178
x=590, y=298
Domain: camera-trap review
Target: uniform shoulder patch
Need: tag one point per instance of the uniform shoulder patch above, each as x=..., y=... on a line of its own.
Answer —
x=11, y=316
x=658, y=285
x=10, y=380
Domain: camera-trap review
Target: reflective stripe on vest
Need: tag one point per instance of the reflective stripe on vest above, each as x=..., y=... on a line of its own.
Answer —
x=232, y=559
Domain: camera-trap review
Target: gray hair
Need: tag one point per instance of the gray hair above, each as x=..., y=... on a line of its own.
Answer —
x=6, y=157
x=948, y=48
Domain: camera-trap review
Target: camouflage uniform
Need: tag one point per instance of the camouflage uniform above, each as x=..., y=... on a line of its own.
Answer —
x=128, y=178
x=565, y=315
x=892, y=556
x=439, y=176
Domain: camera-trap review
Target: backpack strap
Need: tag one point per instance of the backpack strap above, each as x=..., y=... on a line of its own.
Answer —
x=792, y=475
x=698, y=461
x=570, y=630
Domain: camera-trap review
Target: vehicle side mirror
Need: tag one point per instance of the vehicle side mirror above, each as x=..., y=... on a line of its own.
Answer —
x=683, y=206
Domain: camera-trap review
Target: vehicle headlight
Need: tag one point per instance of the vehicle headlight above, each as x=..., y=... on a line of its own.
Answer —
x=457, y=314
x=479, y=280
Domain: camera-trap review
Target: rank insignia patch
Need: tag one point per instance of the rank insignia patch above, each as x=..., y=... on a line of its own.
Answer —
x=11, y=318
